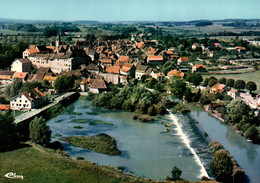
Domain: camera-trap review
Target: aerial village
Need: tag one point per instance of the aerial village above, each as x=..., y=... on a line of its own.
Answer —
x=105, y=62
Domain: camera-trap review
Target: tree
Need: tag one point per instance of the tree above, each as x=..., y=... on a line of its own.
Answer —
x=222, y=166
x=222, y=80
x=176, y=173
x=236, y=109
x=212, y=82
x=178, y=88
x=251, y=86
x=13, y=88
x=194, y=78
x=64, y=83
x=39, y=131
x=206, y=82
x=8, y=133
x=240, y=84
x=230, y=82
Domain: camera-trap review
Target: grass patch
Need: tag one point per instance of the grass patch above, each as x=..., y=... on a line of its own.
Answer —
x=76, y=113
x=58, y=121
x=78, y=127
x=57, y=135
x=80, y=120
x=72, y=116
x=99, y=122
x=92, y=113
x=91, y=122
x=46, y=165
x=101, y=143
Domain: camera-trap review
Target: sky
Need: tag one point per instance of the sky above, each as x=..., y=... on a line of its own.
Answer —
x=129, y=10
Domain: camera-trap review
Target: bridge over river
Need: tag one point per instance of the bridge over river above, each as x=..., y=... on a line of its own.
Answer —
x=35, y=112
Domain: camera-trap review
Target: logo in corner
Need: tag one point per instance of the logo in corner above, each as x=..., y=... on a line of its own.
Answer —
x=12, y=175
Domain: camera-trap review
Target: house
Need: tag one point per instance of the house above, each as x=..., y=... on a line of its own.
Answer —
x=233, y=93
x=140, y=70
x=49, y=78
x=195, y=46
x=158, y=76
x=217, y=45
x=20, y=75
x=199, y=68
x=93, y=85
x=57, y=62
x=35, y=49
x=28, y=100
x=92, y=68
x=183, y=61
x=4, y=107
x=219, y=88
x=115, y=69
x=155, y=59
x=175, y=73
x=240, y=48
x=140, y=45
x=22, y=65
x=128, y=70
x=122, y=60
x=6, y=77
x=105, y=62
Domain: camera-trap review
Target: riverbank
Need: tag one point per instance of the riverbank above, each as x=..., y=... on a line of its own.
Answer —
x=217, y=115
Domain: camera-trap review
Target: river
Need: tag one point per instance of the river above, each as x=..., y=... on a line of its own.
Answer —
x=246, y=154
x=147, y=150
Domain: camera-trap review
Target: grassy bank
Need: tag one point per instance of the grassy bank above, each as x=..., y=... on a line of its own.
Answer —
x=38, y=164
x=101, y=143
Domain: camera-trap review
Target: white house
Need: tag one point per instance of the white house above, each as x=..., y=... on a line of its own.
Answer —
x=21, y=65
x=233, y=93
x=28, y=100
x=57, y=62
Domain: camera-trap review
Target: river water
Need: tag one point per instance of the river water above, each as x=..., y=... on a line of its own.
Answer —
x=147, y=150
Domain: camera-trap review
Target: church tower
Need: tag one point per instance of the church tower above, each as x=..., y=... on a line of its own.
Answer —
x=57, y=43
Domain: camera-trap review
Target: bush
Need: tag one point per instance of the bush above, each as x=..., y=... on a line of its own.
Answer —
x=222, y=166
x=39, y=131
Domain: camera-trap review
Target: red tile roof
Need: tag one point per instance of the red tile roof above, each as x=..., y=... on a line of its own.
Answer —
x=218, y=87
x=175, y=73
x=126, y=67
x=20, y=75
x=113, y=69
x=32, y=50
x=123, y=59
x=106, y=61
x=240, y=48
x=4, y=107
x=198, y=66
x=155, y=58
x=140, y=45
x=185, y=59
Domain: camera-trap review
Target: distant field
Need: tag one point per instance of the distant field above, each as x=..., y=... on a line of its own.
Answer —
x=251, y=76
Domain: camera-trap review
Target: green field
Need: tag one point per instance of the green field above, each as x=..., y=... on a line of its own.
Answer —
x=251, y=76
x=38, y=164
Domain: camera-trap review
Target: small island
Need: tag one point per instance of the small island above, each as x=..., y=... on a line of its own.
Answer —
x=101, y=143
